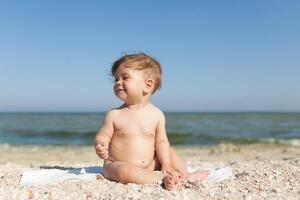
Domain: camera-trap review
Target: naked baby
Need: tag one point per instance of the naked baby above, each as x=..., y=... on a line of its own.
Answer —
x=133, y=140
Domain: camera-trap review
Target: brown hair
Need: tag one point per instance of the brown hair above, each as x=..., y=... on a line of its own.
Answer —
x=140, y=61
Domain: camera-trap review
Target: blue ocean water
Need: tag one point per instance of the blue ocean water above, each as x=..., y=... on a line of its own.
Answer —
x=200, y=129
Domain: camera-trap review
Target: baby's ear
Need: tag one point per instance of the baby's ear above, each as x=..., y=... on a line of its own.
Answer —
x=149, y=85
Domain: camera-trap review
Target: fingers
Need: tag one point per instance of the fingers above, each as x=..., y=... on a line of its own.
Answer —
x=102, y=151
x=103, y=154
x=177, y=174
x=171, y=172
x=101, y=146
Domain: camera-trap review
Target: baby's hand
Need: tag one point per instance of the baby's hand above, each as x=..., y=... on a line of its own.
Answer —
x=102, y=150
x=167, y=169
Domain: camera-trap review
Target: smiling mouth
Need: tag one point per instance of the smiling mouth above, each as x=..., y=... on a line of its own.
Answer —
x=120, y=91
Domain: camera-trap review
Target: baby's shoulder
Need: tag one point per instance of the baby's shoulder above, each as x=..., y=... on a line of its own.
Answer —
x=157, y=111
x=112, y=114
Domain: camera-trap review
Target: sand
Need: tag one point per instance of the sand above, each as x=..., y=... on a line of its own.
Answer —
x=262, y=171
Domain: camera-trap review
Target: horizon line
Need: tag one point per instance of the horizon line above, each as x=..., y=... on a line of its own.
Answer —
x=167, y=111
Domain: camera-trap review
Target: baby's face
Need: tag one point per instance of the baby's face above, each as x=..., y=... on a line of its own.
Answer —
x=129, y=84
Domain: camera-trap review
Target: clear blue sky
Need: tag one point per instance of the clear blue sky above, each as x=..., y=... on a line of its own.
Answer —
x=216, y=55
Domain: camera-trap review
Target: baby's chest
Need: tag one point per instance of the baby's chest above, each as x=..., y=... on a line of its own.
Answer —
x=130, y=126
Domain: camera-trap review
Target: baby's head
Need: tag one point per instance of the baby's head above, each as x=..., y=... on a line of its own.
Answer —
x=149, y=66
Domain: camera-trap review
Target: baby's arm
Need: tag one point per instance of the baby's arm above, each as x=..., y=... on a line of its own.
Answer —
x=162, y=146
x=104, y=136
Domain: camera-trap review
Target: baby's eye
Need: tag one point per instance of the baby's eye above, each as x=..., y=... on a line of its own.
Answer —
x=116, y=79
x=125, y=78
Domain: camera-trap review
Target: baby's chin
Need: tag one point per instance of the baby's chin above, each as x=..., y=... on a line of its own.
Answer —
x=121, y=95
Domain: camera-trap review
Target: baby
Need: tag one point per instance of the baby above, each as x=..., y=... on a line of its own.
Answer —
x=133, y=140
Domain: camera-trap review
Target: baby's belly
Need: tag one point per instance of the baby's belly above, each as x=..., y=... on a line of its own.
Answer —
x=137, y=149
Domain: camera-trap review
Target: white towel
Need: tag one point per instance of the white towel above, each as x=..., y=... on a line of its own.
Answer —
x=220, y=174
x=50, y=175
x=216, y=174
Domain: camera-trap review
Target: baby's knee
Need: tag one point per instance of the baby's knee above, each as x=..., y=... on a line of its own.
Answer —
x=124, y=174
x=119, y=173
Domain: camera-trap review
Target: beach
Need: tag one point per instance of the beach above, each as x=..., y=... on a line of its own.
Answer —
x=261, y=171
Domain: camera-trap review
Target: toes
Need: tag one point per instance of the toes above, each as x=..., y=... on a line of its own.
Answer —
x=170, y=182
x=170, y=186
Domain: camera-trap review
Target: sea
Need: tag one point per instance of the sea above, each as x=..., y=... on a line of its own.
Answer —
x=187, y=129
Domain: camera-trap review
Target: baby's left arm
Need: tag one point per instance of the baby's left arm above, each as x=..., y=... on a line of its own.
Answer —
x=162, y=146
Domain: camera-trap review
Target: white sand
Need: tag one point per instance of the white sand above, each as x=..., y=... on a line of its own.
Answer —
x=262, y=172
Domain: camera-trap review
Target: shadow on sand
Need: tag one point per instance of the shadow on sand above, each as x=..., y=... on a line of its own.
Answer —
x=76, y=170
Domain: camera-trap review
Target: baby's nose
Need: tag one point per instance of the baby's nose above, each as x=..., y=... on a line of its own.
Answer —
x=118, y=82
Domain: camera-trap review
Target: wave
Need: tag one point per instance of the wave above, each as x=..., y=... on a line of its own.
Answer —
x=69, y=137
x=52, y=133
x=209, y=140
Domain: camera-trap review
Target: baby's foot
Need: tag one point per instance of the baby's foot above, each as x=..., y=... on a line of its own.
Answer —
x=198, y=175
x=170, y=182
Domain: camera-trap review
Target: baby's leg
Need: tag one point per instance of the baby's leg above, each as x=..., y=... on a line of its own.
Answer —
x=179, y=165
x=169, y=182
x=127, y=173
x=176, y=163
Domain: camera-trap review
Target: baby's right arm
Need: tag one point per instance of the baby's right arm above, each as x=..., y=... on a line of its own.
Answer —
x=104, y=136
